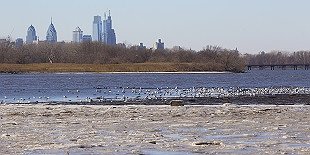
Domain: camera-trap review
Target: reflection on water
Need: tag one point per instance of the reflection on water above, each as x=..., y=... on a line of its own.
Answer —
x=25, y=88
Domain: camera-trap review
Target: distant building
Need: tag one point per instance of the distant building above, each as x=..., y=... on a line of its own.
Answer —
x=159, y=45
x=2, y=41
x=31, y=35
x=19, y=42
x=87, y=38
x=109, y=36
x=6, y=41
x=177, y=48
x=142, y=47
x=51, y=35
x=122, y=45
x=97, y=29
x=77, y=35
x=41, y=42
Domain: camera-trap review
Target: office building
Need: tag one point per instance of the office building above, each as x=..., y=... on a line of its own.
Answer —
x=31, y=35
x=176, y=48
x=97, y=29
x=51, y=35
x=159, y=45
x=2, y=41
x=77, y=35
x=109, y=36
x=19, y=42
x=142, y=47
x=87, y=38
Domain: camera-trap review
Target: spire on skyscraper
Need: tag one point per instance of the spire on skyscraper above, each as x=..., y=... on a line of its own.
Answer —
x=51, y=35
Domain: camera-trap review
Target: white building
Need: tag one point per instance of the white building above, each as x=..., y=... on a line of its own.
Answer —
x=97, y=29
x=77, y=35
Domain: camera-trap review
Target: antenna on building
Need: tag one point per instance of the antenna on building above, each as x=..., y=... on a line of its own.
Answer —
x=51, y=20
x=105, y=15
x=109, y=12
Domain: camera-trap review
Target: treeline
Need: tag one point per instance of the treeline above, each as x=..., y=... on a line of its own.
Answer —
x=219, y=59
x=278, y=58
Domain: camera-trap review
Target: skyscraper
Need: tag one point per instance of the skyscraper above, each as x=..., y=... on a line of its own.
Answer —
x=51, y=35
x=97, y=29
x=77, y=35
x=159, y=45
x=31, y=35
x=109, y=36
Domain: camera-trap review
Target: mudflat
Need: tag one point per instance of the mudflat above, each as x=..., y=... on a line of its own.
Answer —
x=224, y=129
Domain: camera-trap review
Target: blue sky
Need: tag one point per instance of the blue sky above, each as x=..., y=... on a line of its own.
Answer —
x=249, y=25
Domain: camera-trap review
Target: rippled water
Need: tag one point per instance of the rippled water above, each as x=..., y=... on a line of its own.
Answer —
x=85, y=86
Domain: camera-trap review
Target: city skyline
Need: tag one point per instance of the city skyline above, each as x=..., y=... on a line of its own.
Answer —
x=102, y=32
x=251, y=27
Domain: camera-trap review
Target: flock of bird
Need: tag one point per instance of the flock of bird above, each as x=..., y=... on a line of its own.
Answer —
x=125, y=94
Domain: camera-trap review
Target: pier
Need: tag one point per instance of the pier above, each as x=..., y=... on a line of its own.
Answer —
x=280, y=66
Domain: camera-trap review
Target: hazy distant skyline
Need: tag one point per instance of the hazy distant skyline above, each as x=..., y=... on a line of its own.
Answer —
x=251, y=26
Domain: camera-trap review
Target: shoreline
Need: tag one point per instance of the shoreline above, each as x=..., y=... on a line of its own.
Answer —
x=280, y=99
x=182, y=72
x=112, y=68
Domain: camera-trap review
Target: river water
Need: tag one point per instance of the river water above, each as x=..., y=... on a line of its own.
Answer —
x=81, y=87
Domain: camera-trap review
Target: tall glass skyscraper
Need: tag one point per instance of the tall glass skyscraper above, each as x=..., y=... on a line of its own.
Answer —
x=77, y=35
x=109, y=36
x=51, y=35
x=31, y=35
x=97, y=29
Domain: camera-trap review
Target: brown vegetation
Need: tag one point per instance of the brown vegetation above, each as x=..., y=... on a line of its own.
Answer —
x=101, y=57
x=132, y=67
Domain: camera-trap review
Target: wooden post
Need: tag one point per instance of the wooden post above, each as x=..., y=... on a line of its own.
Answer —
x=295, y=67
